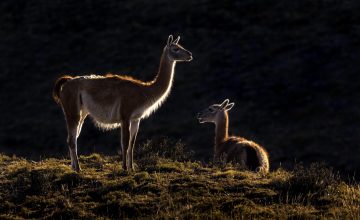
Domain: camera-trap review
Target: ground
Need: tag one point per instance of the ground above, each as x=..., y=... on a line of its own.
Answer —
x=166, y=186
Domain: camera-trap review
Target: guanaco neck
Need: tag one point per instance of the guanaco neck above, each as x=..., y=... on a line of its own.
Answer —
x=221, y=131
x=163, y=80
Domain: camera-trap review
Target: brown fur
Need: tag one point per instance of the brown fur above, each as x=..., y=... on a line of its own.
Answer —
x=238, y=149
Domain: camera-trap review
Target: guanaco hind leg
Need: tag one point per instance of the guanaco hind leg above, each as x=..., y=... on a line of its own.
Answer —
x=75, y=117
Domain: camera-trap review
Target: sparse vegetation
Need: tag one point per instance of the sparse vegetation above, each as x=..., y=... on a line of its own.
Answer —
x=167, y=185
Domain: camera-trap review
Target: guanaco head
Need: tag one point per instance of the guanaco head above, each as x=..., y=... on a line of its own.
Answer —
x=175, y=51
x=214, y=112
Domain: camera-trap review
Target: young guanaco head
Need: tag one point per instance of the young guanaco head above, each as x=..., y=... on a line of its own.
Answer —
x=215, y=112
x=175, y=51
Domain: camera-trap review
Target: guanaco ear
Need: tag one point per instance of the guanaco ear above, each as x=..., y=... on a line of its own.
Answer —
x=170, y=39
x=176, y=40
x=225, y=102
x=229, y=106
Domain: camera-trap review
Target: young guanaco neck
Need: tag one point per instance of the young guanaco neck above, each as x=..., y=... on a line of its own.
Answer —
x=163, y=80
x=221, y=131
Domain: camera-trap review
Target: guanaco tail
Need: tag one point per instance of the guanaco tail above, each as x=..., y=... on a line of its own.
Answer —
x=114, y=101
x=249, y=154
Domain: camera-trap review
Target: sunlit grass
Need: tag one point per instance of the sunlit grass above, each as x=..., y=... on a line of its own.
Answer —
x=166, y=186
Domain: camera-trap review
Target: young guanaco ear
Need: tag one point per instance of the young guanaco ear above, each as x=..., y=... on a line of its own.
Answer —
x=229, y=106
x=176, y=41
x=170, y=40
x=225, y=102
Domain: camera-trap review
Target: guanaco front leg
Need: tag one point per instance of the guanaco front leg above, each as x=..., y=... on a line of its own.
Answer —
x=134, y=128
x=125, y=138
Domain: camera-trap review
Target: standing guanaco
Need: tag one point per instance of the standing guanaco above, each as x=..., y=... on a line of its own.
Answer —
x=114, y=101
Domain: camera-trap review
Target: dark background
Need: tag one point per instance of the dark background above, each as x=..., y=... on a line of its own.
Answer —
x=291, y=67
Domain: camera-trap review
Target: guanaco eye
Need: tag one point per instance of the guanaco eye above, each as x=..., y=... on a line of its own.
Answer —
x=211, y=110
x=176, y=49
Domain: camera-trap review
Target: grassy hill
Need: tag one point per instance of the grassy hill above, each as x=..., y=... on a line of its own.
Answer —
x=166, y=185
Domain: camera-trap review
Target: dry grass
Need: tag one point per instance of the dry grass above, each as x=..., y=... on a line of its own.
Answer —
x=166, y=187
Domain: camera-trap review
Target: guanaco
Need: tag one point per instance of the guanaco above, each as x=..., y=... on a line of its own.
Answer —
x=114, y=101
x=247, y=153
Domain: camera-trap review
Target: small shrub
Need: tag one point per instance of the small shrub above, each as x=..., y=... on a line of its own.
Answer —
x=164, y=148
x=307, y=185
x=70, y=179
x=149, y=153
x=148, y=162
x=314, y=178
x=41, y=181
x=142, y=176
x=94, y=161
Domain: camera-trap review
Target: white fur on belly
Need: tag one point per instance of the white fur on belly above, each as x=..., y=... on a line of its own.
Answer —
x=106, y=127
x=104, y=117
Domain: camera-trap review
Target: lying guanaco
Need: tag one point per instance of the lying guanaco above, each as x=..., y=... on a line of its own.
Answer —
x=247, y=153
